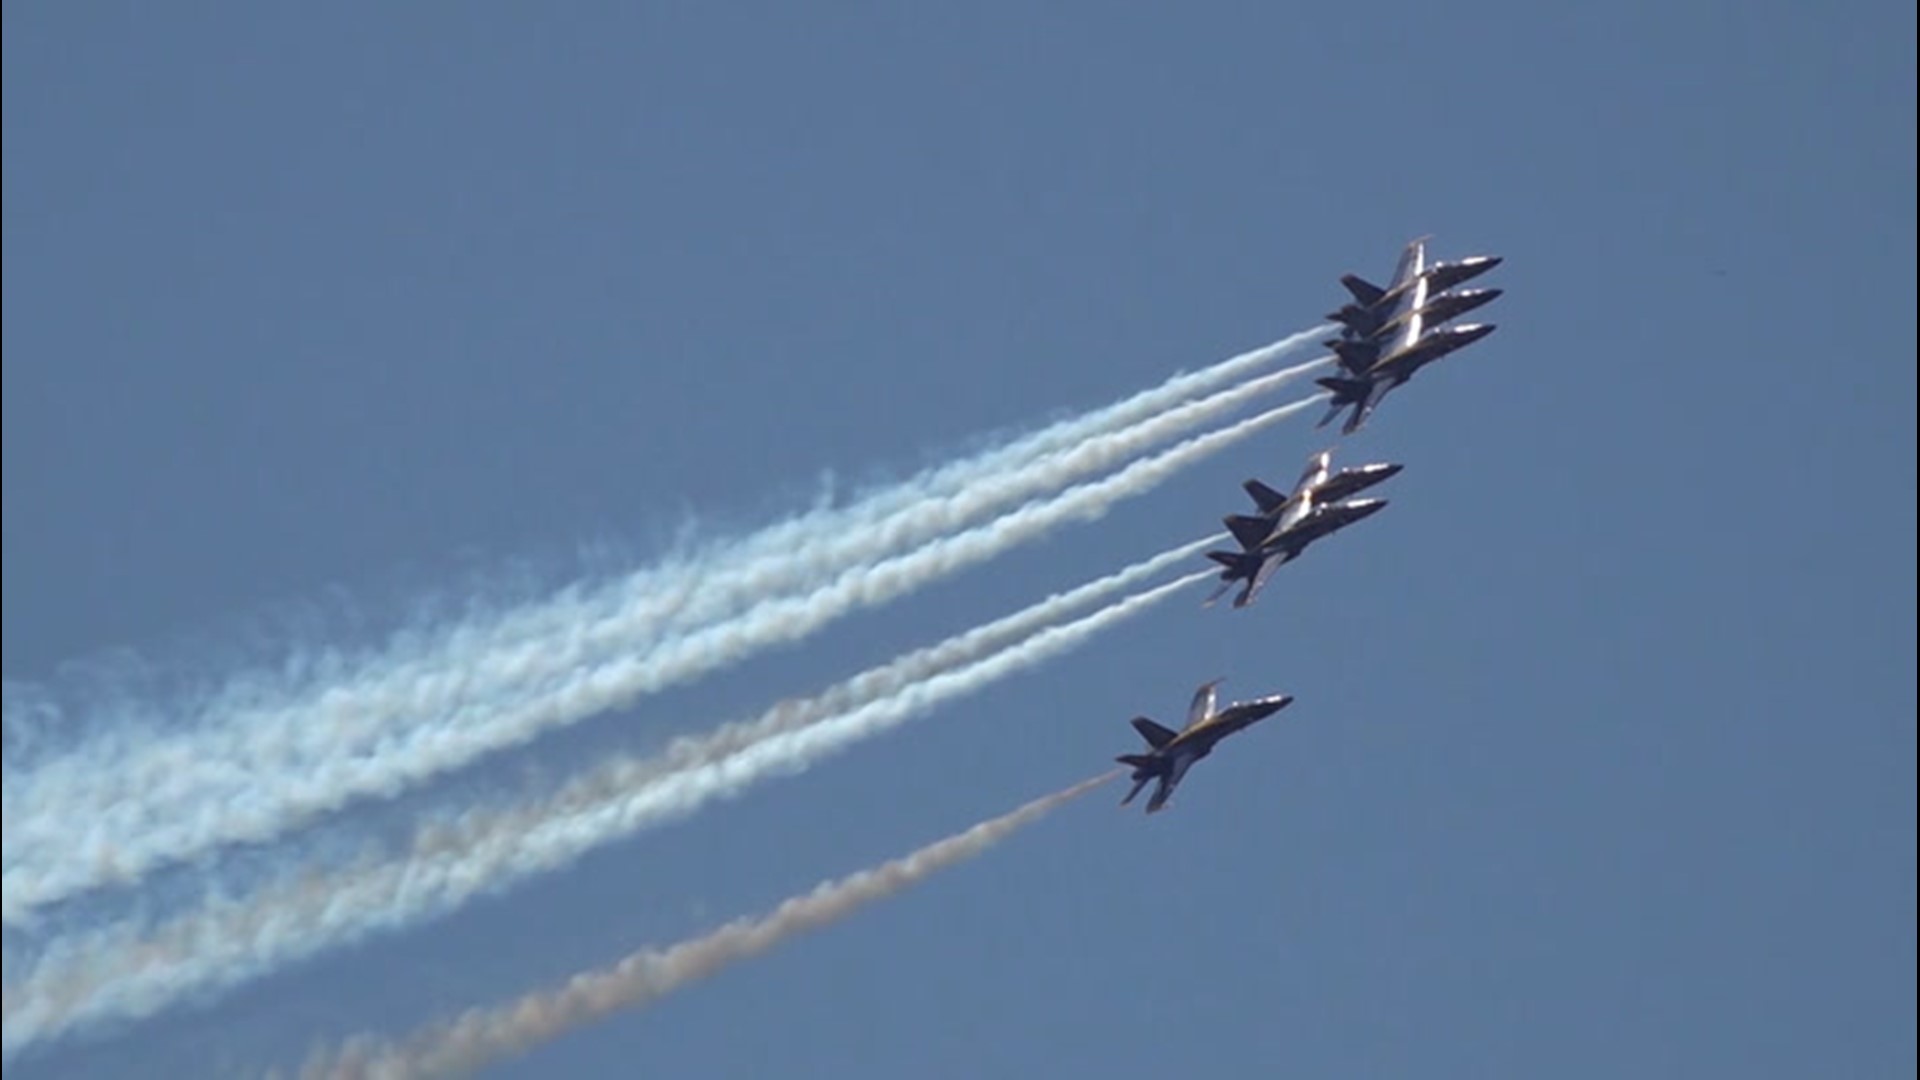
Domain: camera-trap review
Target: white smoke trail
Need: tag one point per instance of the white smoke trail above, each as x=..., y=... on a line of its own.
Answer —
x=485, y=1036
x=84, y=833
x=78, y=983
x=413, y=676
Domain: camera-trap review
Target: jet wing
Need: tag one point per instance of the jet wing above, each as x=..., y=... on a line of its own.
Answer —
x=1203, y=702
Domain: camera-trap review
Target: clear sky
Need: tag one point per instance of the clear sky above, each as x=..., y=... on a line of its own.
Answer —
x=1603, y=758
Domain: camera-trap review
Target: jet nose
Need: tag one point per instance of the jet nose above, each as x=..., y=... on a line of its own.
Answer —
x=1474, y=299
x=1366, y=508
x=1472, y=332
x=1388, y=472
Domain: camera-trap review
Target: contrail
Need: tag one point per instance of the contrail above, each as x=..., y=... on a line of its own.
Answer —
x=77, y=983
x=250, y=786
x=485, y=1036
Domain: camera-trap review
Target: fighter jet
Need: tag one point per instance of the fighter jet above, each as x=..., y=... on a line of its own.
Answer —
x=1174, y=752
x=1374, y=307
x=1263, y=553
x=1277, y=512
x=1373, y=372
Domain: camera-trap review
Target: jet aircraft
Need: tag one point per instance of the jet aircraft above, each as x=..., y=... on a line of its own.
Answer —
x=1373, y=375
x=1172, y=753
x=1317, y=486
x=1374, y=307
x=1263, y=553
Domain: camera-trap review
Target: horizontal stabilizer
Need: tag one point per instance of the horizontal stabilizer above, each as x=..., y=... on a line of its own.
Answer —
x=1364, y=291
x=1345, y=391
x=1357, y=357
x=1238, y=563
x=1154, y=733
x=1264, y=497
x=1359, y=321
x=1251, y=532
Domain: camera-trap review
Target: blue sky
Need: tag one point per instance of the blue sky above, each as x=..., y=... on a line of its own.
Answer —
x=1602, y=762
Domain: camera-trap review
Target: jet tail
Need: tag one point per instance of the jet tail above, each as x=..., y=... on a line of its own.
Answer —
x=1160, y=796
x=1238, y=563
x=1249, y=531
x=1355, y=356
x=1241, y=566
x=1359, y=321
x=1140, y=763
x=1264, y=497
x=1156, y=735
x=1365, y=292
x=1345, y=391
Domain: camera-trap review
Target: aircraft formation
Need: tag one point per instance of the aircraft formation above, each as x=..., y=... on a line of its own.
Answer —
x=1387, y=335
